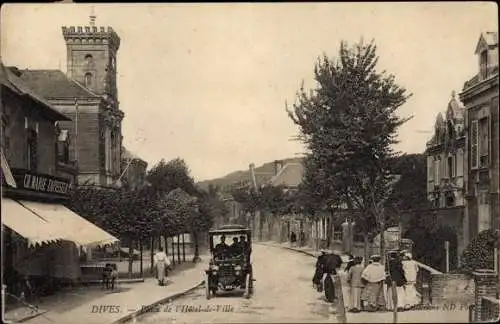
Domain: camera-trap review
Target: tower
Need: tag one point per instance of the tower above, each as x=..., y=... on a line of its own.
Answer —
x=91, y=57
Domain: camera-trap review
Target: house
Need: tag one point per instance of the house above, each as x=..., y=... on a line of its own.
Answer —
x=87, y=94
x=482, y=166
x=35, y=188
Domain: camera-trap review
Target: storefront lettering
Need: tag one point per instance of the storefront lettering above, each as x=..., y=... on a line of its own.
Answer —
x=45, y=184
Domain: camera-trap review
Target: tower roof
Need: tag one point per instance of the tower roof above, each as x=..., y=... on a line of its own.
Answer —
x=92, y=34
x=455, y=107
x=55, y=84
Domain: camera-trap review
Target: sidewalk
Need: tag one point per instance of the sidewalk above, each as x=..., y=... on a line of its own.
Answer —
x=415, y=316
x=97, y=306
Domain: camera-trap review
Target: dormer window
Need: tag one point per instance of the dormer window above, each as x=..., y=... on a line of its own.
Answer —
x=88, y=80
x=483, y=64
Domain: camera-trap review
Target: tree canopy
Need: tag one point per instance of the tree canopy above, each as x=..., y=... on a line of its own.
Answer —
x=349, y=125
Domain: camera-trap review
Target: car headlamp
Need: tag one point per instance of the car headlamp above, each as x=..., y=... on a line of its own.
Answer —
x=237, y=268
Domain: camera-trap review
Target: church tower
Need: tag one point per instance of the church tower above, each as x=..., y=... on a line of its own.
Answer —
x=91, y=58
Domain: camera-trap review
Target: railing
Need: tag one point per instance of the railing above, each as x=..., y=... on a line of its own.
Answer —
x=490, y=309
x=424, y=282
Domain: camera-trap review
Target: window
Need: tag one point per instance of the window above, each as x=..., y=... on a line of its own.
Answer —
x=5, y=137
x=483, y=64
x=430, y=169
x=31, y=156
x=459, y=162
x=483, y=142
x=450, y=199
x=474, y=141
x=436, y=171
x=450, y=167
x=88, y=80
x=63, y=147
x=89, y=59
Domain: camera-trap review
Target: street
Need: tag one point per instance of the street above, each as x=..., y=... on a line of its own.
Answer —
x=283, y=293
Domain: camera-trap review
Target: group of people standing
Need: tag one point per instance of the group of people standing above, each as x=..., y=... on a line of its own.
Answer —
x=371, y=286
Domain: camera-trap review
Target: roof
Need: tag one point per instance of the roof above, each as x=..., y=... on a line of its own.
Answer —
x=290, y=175
x=54, y=84
x=456, y=107
x=11, y=80
x=487, y=38
x=230, y=229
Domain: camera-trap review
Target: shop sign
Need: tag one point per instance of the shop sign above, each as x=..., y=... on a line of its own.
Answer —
x=41, y=182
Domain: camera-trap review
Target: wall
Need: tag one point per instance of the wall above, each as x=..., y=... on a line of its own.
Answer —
x=457, y=288
x=16, y=110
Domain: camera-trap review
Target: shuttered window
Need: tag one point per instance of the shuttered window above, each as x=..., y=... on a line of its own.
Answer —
x=483, y=142
x=474, y=144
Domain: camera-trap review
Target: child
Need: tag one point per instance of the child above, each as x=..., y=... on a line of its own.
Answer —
x=113, y=275
x=355, y=283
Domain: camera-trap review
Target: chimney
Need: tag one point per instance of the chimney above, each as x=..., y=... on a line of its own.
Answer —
x=277, y=166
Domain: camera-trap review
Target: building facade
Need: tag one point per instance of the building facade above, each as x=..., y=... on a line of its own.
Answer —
x=39, y=234
x=480, y=97
x=88, y=94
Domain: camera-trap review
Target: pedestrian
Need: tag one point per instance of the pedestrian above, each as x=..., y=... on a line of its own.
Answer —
x=396, y=274
x=293, y=238
x=373, y=276
x=113, y=276
x=350, y=263
x=161, y=263
x=302, y=238
x=318, y=272
x=355, y=284
x=410, y=269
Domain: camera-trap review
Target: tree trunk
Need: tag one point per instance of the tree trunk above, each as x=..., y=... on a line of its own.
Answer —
x=366, y=242
x=382, y=238
x=196, y=247
x=166, y=245
x=179, y=248
x=152, y=261
x=130, y=257
x=173, y=250
x=141, y=251
x=183, y=249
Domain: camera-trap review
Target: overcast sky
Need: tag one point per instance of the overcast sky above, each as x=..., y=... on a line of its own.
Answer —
x=208, y=83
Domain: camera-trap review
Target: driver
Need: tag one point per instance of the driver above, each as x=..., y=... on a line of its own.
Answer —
x=235, y=247
x=222, y=248
x=245, y=246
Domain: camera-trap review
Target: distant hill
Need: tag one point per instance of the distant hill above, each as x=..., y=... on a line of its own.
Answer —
x=263, y=173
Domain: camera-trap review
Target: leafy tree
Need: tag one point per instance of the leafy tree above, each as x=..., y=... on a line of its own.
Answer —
x=349, y=124
x=479, y=254
x=167, y=176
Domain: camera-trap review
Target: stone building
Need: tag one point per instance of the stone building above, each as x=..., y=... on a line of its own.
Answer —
x=36, y=180
x=445, y=153
x=480, y=97
x=88, y=94
x=133, y=170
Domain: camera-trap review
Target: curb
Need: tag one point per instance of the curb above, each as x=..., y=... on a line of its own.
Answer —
x=289, y=248
x=147, y=308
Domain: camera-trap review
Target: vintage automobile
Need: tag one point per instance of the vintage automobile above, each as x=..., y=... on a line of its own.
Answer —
x=230, y=267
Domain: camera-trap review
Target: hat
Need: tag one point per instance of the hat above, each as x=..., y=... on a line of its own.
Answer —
x=324, y=251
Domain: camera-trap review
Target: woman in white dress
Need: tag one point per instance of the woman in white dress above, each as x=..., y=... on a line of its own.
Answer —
x=161, y=262
x=410, y=267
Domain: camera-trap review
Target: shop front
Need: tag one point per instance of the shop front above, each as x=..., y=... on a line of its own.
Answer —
x=42, y=237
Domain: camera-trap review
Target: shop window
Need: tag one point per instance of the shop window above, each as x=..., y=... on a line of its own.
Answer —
x=32, y=148
x=450, y=199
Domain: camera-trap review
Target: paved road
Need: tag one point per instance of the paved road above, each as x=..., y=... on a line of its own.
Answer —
x=283, y=293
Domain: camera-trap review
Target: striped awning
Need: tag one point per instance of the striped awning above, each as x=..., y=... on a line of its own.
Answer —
x=24, y=222
x=74, y=227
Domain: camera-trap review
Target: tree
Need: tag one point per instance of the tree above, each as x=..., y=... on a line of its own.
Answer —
x=167, y=176
x=349, y=124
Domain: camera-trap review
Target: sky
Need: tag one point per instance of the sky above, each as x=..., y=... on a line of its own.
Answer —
x=208, y=82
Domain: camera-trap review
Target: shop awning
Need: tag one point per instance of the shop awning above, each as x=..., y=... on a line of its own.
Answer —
x=74, y=227
x=27, y=224
x=7, y=173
